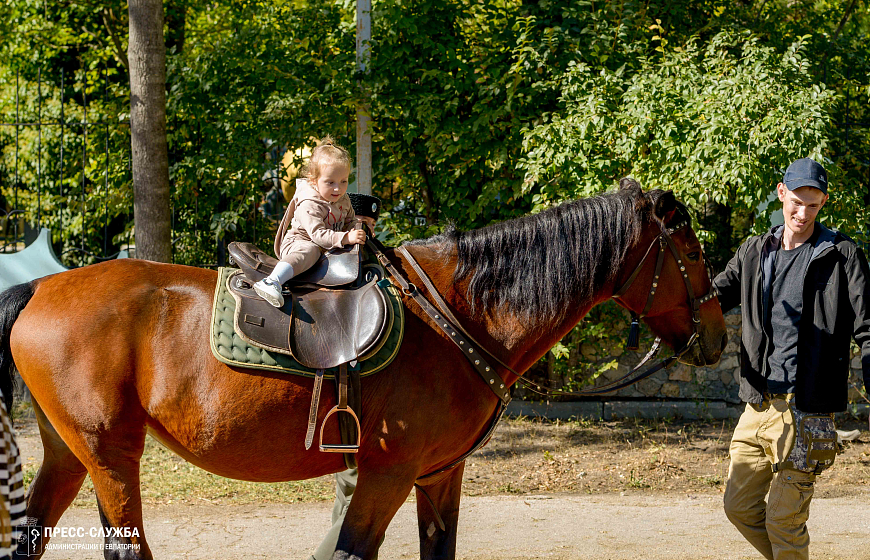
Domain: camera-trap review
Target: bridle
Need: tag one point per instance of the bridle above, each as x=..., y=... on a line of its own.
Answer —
x=664, y=240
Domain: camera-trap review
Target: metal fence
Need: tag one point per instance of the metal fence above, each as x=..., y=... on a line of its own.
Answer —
x=65, y=165
x=50, y=174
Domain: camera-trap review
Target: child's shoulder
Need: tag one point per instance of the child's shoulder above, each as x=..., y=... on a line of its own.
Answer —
x=312, y=206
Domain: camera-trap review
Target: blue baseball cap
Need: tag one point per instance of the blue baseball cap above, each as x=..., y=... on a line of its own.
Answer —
x=806, y=172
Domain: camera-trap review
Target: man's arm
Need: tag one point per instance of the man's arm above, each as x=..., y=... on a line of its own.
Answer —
x=728, y=281
x=858, y=276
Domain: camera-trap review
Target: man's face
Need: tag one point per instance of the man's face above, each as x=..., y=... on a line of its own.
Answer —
x=800, y=207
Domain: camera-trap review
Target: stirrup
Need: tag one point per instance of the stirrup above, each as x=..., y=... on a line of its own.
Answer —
x=340, y=447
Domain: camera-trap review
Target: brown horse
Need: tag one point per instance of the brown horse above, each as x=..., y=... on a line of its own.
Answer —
x=115, y=351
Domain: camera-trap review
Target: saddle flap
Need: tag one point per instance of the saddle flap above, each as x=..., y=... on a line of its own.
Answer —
x=321, y=327
x=337, y=267
x=332, y=327
x=256, y=320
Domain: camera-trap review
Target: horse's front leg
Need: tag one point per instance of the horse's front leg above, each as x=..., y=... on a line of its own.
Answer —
x=437, y=507
x=379, y=495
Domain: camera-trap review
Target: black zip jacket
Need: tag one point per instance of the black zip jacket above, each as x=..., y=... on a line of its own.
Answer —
x=836, y=308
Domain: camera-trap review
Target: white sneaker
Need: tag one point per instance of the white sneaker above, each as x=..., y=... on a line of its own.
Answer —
x=269, y=291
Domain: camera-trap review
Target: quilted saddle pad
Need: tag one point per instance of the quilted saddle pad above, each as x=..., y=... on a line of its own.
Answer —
x=229, y=348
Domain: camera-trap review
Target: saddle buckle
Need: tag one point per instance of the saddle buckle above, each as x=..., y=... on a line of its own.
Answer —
x=340, y=447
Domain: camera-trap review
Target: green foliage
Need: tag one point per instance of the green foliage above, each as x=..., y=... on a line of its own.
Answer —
x=717, y=123
x=481, y=111
x=251, y=72
x=57, y=59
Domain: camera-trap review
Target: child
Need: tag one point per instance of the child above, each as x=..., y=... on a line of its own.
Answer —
x=318, y=218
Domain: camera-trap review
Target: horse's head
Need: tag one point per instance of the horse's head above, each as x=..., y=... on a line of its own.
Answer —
x=665, y=280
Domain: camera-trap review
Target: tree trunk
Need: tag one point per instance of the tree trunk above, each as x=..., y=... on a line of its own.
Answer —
x=151, y=205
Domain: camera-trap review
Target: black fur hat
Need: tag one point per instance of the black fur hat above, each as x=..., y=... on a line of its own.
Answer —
x=365, y=205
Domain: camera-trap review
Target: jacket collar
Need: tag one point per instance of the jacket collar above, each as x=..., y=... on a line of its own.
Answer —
x=773, y=241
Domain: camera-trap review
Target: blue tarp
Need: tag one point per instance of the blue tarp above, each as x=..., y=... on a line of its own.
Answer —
x=34, y=261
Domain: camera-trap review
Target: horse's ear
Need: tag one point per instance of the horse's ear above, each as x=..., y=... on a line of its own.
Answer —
x=666, y=205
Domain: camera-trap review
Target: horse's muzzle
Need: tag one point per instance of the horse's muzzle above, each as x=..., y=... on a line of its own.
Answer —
x=701, y=354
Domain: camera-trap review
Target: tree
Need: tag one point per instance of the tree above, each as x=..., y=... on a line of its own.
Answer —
x=150, y=161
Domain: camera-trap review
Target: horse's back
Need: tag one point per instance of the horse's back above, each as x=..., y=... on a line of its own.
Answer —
x=114, y=296
x=90, y=328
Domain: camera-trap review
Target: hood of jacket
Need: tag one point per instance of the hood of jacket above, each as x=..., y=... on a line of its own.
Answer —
x=306, y=191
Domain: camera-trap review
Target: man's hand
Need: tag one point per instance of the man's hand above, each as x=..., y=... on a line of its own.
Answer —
x=355, y=237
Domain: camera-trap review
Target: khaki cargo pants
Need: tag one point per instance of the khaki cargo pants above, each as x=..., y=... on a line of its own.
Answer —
x=766, y=435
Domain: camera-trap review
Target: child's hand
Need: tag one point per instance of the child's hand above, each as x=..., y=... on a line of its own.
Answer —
x=355, y=237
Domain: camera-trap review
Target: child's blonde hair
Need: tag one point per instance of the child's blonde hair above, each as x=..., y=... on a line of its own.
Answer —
x=326, y=152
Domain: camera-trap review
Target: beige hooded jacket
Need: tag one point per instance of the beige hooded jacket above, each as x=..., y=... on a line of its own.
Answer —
x=311, y=218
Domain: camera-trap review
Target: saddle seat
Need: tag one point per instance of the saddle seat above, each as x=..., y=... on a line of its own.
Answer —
x=320, y=327
x=337, y=267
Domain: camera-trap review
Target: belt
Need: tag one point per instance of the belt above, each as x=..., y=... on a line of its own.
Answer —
x=768, y=398
x=781, y=396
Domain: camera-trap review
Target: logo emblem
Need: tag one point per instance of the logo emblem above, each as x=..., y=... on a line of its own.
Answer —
x=30, y=542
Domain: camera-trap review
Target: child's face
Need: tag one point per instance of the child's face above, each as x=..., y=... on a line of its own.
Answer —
x=332, y=183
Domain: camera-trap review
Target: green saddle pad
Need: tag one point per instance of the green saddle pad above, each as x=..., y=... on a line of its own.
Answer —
x=230, y=349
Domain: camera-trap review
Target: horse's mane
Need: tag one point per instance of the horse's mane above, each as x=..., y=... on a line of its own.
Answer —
x=536, y=265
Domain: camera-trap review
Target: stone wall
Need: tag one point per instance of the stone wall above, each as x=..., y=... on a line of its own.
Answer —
x=698, y=383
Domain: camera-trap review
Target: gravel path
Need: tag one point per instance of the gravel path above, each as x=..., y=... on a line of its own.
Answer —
x=603, y=527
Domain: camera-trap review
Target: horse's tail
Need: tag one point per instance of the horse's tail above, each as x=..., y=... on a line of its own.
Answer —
x=12, y=301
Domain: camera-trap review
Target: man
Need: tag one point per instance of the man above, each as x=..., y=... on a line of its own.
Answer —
x=805, y=292
x=367, y=208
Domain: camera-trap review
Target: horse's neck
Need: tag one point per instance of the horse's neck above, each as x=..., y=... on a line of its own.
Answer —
x=511, y=339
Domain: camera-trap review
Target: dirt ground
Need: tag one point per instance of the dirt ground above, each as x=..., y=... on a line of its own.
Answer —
x=587, y=489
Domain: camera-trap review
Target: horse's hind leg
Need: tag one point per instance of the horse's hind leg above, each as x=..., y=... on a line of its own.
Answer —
x=55, y=486
x=111, y=457
x=437, y=503
x=116, y=482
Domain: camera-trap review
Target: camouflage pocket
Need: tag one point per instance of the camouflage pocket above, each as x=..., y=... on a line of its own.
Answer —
x=815, y=446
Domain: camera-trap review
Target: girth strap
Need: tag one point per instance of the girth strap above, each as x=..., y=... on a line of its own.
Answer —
x=342, y=387
x=346, y=423
x=312, y=413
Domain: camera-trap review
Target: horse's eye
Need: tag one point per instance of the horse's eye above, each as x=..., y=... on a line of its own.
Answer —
x=694, y=256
